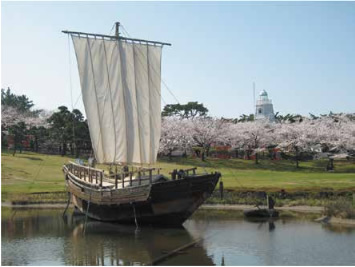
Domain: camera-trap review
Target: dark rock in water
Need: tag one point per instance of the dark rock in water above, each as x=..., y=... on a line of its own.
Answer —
x=323, y=219
x=264, y=213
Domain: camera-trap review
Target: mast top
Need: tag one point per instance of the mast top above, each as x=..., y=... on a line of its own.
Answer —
x=117, y=32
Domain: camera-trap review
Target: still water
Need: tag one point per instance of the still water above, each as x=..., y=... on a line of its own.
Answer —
x=42, y=237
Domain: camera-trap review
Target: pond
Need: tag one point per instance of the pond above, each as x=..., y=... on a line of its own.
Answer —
x=43, y=237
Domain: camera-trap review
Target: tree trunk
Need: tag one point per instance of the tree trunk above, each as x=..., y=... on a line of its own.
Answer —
x=64, y=149
x=248, y=154
x=36, y=144
x=256, y=158
x=77, y=151
x=203, y=156
x=330, y=165
x=208, y=151
x=221, y=189
x=297, y=158
x=71, y=149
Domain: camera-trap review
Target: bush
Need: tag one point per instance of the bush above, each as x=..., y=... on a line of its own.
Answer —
x=341, y=208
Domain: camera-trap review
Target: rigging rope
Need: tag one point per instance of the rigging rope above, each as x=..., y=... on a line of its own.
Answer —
x=71, y=90
x=113, y=26
x=135, y=216
x=86, y=213
x=66, y=208
x=70, y=76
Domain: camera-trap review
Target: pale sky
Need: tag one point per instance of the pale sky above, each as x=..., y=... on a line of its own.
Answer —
x=301, y=53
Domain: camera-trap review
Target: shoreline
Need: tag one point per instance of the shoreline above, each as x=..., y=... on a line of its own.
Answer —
x=305, y=209
x=35, y=205
x=237, y=207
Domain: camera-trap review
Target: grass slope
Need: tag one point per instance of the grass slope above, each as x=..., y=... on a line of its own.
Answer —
x=31, y=172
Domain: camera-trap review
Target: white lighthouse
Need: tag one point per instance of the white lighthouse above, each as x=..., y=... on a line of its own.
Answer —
x=264, y=109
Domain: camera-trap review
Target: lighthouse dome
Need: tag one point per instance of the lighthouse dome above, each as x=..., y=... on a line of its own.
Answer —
x=263, y=93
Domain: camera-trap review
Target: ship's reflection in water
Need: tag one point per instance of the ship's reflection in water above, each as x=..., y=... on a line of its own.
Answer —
x=42, y=237
x=114, y=244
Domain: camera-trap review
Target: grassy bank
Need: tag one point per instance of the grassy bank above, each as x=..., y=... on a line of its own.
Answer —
x=296, y=198
x=25, y=175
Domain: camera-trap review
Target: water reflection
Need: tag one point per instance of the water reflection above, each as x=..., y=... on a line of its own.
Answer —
x=42, y=237
x=112, y=244
x=261, y=221
x=100, y=243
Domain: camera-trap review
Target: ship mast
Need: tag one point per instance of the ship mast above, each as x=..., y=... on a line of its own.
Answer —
x=117, y=31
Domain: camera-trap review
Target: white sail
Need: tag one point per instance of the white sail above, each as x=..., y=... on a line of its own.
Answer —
x=120, y=83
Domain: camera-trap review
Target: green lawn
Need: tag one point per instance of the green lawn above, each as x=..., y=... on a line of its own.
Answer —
x=269, y=175
x=30, y=172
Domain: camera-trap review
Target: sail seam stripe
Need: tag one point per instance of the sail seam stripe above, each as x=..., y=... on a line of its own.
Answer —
x=124, y=97
x=135, y=89
x=150, y=117
x=109, y=84
x=97, y=102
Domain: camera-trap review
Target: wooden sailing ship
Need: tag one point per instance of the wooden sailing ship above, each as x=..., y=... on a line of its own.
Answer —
x=120, y=81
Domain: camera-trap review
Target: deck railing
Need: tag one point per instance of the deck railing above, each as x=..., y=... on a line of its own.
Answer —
x=119, y=178
x=98, y=177
x=87, y=173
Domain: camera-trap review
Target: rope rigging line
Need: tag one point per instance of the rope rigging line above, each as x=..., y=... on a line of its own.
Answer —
x=113, y=26
x=78, y=98
x=162, y=80
x=70, y=76
x=86, y=213
x=71, y=88
x=40, y=167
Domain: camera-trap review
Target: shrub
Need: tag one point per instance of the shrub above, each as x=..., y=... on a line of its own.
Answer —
x=341, y=208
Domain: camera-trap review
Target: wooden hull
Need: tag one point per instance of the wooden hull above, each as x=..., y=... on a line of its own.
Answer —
x=167, y=203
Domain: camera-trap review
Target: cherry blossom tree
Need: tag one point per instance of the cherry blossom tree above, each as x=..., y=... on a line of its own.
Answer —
x=175, y=135
x=205, y=132
x=18, y=123
x=252, y=137
x=333, y=133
